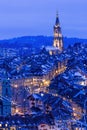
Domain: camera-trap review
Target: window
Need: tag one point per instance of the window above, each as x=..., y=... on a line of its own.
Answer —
x=6, y=92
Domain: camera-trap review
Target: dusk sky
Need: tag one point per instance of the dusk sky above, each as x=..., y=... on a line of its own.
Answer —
x=37, y=17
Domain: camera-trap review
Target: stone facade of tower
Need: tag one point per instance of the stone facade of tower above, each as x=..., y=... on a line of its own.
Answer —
x=5, y=101
x=58, y=39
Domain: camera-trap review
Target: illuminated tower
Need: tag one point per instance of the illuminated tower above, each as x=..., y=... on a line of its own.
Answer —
x=58, y=39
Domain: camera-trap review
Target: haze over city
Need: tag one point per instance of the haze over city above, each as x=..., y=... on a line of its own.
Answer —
x=36, y=17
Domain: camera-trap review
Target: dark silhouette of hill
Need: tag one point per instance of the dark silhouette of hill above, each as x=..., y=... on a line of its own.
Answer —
x=37, y=41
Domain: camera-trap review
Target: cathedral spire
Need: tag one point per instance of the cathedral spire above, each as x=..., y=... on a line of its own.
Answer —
x=57, y=19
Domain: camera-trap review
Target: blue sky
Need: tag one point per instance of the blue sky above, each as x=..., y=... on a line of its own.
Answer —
x=37, y=17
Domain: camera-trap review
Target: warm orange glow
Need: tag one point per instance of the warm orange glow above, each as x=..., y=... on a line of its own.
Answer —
x=15, y=86
x=17, y=110
x=50, y=52
x=82, y=83
x=46, y=82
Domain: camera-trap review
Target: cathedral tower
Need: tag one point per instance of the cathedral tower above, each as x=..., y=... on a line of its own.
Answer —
x=58, y=39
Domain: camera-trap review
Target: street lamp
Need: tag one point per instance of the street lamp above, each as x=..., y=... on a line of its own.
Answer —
x=0, y=124
x=6, y=125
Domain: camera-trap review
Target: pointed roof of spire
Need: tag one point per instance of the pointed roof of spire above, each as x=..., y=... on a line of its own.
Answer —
x=57, y=19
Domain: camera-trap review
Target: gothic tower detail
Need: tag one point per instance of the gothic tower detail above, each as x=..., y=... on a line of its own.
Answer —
x=58, y=39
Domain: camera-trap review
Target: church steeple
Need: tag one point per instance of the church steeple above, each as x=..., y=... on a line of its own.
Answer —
x=57, y=19
x=58, y=40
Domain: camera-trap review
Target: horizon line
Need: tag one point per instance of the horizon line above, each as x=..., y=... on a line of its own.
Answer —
x=2, y=39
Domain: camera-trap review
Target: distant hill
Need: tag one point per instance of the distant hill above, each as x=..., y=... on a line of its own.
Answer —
x=72, y=41
x=37, y=41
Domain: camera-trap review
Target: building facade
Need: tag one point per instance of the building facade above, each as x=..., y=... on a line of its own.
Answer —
x=5, y=98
